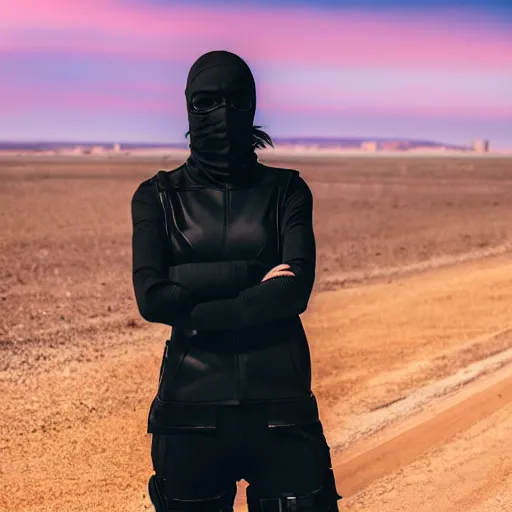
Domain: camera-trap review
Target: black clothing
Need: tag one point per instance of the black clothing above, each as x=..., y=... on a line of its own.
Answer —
x=201, y=464
x=237, y=348
x=234, y=396
x=221, y=138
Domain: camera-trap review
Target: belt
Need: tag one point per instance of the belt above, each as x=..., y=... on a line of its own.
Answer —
x=169, y=417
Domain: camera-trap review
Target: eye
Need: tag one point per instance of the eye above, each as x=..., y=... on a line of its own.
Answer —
x=241, y=102
x=202, y=102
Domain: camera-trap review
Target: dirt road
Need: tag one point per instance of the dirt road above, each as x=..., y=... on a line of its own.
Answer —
x=411, y=369
x=457, y=460
x=84, y=447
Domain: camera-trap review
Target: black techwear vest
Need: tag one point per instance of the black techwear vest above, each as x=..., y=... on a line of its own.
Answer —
x=268, y=363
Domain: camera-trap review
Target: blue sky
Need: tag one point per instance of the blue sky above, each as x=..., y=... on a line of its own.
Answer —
x=116, y=69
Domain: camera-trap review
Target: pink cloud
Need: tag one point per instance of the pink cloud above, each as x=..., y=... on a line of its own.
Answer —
x=441, y=111
x=159, y=100
x=261, y=35
x=422, y=100
x=23, y=99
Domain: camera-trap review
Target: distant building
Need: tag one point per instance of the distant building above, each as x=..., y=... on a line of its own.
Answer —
x=481, y=146
x=369, y=146
x=117, y=148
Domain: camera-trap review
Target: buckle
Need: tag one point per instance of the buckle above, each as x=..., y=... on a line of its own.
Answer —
x=287, y=503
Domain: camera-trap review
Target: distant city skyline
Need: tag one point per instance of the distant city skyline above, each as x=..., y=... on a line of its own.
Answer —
x=115, y=70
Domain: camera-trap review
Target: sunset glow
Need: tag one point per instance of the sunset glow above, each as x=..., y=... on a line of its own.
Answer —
x=69, y=66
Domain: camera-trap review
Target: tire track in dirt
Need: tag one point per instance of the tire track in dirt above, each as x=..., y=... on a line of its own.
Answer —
x=378, y=418
x=357, y=473
x=343, y=280
x=468, y=472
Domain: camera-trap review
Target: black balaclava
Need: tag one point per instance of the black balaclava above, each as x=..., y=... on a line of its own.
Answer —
x=221, y=141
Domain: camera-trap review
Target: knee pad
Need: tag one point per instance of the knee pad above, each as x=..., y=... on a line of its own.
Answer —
x=164, y=503
x=323, y=499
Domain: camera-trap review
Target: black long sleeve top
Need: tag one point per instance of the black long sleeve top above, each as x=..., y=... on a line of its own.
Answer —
x=222, y=294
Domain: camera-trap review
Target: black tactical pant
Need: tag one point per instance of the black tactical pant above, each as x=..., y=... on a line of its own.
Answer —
x=287, y=468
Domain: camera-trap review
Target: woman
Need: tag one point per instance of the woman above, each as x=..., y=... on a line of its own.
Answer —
x=224, y=252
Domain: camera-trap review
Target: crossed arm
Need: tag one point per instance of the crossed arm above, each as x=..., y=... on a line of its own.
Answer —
x=221, y=295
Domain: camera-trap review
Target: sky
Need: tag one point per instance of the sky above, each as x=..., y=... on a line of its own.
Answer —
x=115, y=70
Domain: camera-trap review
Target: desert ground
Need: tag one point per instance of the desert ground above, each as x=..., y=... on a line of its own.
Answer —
x=409, y=325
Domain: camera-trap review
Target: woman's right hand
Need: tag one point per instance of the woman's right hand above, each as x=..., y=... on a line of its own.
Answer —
x=280, y=270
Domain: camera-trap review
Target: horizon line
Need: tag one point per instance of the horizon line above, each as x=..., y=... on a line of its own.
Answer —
x=185, y=144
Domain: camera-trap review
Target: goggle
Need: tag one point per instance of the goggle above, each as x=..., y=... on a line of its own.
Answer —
x=205, y=103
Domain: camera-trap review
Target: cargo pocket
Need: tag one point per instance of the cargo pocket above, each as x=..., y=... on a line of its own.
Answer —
x=175, y=418
x=314, y=434
x=156, y=453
